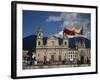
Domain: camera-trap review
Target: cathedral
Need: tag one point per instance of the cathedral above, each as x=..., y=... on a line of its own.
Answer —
x=54, y=51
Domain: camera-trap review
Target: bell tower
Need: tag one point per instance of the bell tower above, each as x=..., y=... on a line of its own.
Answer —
x=39, y=37
x=80, y=45
x=65, y=40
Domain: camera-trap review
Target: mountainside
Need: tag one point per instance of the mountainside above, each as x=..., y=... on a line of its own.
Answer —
x=72, y=41
x=29, y=43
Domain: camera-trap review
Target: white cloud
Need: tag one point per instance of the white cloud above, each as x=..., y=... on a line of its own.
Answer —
x=59, y=34
x=54, y=18
x=62, y=16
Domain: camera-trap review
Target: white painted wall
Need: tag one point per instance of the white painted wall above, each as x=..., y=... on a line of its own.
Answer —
x=5, y=40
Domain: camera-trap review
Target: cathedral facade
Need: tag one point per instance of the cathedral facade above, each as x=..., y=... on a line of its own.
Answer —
x=56, y=51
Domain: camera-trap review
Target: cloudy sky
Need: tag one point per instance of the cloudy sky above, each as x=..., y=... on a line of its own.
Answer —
x=53, y=23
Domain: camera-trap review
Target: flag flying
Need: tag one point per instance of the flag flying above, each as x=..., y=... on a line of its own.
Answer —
x=73, y=31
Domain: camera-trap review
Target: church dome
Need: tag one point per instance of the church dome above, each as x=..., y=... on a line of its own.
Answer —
x=52, y=38
x=52, y=41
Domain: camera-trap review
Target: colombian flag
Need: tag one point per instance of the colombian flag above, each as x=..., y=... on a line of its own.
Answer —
x=73, y=31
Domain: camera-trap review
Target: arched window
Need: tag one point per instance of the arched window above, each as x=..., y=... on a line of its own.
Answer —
x=39, y=34
x=39, y=43
x=65, y=43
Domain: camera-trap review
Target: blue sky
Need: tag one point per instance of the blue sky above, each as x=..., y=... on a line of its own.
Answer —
x=54, y=22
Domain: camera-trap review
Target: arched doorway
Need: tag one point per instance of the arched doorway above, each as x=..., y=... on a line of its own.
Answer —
x=52, y=57
x=59, y=57
x=45, y=58
x=82, y=57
